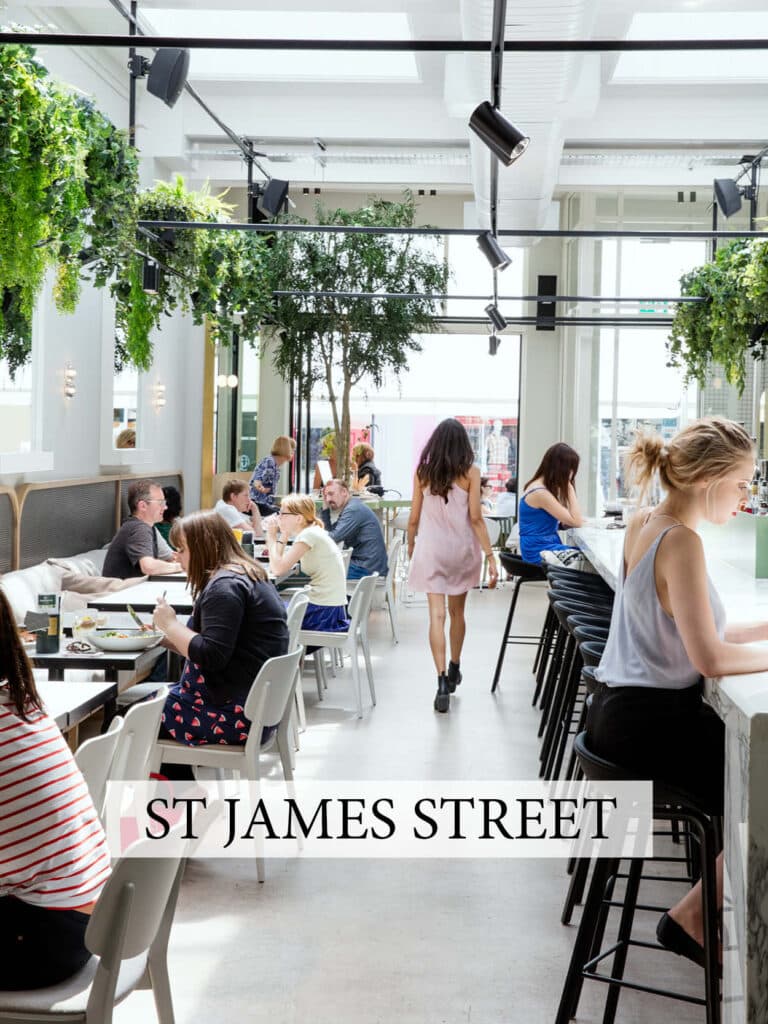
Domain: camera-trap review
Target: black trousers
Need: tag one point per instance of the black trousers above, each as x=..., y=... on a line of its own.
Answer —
x=672, y=736
x=39, y=946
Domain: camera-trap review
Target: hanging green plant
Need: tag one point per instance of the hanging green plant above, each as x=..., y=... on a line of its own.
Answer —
x=220, y=276
x=721, y=328
x=67, y=186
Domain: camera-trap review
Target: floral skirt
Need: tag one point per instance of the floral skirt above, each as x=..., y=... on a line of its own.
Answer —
x=191, y=716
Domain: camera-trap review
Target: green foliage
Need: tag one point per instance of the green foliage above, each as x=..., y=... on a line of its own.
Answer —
x=218, y=275
x=720, y=329
x=339, y=340
x=67, y=184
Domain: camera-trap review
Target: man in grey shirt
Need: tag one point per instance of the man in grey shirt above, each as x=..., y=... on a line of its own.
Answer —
x=357, y=527
x=134, y=550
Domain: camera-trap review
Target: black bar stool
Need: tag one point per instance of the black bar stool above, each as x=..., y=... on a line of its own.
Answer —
x=524, y=572
x=669, y=804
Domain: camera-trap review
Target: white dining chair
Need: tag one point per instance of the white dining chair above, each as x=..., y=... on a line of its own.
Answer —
x=390, y=595
x=348, y=642
x=269, y=703
x=136, y=741
x=297, y=606
x=494, y=531
x=95, y=758
x=127, y=936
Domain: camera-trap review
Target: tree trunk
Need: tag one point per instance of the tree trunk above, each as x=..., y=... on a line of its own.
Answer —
x=342, y=440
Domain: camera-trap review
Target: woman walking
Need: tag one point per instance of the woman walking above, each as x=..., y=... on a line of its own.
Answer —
x=446, y=533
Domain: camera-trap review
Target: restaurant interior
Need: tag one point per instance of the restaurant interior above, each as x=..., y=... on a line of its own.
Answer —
x=565, y=226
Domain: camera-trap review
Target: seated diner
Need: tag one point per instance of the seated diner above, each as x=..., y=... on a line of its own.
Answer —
x=320, y=560
x=238, y=622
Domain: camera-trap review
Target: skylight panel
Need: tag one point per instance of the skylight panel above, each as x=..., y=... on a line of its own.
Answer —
x=290, y=65
x=696, y=67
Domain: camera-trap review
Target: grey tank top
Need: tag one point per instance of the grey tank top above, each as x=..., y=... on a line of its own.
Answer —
x=644, y=646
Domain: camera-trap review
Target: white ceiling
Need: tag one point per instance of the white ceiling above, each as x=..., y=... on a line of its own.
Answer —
x=380, y=131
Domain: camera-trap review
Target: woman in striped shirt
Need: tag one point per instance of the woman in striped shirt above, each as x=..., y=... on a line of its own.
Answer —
x=53, y=855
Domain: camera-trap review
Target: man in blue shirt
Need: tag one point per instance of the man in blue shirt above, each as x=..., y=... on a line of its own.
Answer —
x=357, y=527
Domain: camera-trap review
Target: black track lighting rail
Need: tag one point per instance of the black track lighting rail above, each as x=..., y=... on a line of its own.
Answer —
x=338, y=229
x=608, y=299
x=384, y=45
x=561, y=321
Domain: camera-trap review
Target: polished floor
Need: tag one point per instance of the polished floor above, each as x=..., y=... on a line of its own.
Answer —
x=369, y=941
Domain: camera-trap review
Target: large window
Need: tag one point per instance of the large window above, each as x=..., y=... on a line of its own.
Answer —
x=637, y=389
x=15, y=409
x=453, y=375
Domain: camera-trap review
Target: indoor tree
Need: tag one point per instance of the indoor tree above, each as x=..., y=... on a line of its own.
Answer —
x=340, y=339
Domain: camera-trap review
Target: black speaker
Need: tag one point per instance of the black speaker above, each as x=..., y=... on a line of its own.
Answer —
x=545, y=311
x=168, y=74
x=271, y=200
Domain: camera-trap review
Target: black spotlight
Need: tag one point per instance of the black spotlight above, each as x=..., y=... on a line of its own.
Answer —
x=501, y=137
x=270, y=200
x=493, y=345
x=168, y=74
x=495, y=316
x=728, y=196
x=150, y=276
x=490, y=248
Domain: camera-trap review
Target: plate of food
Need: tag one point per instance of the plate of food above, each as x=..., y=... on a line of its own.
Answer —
x=124, y=639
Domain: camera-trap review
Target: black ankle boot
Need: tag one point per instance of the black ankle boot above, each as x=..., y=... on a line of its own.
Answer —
x=453, y=675
x=443, y=695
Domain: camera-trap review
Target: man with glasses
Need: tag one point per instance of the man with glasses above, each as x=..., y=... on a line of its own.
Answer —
x=134, y=549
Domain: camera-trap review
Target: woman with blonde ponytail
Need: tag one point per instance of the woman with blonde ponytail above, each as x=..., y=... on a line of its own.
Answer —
x=320, y=559
x=668, y=630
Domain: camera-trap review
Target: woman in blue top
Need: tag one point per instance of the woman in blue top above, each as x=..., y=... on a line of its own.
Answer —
x=549, y=499
x=264, y=479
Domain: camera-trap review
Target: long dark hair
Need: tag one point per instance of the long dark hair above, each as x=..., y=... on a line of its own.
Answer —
x=15, y=668
x=212, y=546
x=447, y=456
x=557, y=469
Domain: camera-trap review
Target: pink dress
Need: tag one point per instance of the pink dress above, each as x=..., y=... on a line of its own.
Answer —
x=446, y=556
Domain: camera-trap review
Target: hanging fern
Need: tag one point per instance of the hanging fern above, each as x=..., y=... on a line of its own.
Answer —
x=721, y=328
x=68, y=181
x=218, y=276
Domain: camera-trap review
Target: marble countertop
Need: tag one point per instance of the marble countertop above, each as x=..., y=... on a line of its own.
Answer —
x=744, y=597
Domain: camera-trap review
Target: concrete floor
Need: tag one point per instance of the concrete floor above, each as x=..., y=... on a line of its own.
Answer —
x=370, y=941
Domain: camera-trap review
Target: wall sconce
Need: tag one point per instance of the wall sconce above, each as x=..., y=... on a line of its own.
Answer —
x=70, y=384
x=159, y=396
x=227, y=381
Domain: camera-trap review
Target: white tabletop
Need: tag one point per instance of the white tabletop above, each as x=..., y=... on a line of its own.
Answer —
x=143, y=597
x=69, y=703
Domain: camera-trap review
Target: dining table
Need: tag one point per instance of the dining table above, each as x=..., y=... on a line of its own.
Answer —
x=143, y=596
x=69, y=703
x=741, y=701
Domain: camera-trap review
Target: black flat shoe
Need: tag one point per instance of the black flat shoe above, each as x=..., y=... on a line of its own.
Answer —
x=676, y=939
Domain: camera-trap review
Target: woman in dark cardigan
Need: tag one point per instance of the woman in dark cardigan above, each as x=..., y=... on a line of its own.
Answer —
x=238, y=622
